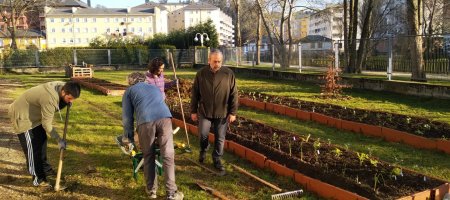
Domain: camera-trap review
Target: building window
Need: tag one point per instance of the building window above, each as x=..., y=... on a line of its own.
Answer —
x=86, y=40
x=85, y=30
x=54, y=40
x=140, y=29
x=70, y=30
x=71, y=41
x=116, y=19
x=62, y=20
x=94, y=20
x=132, y=29
x=63, y=30
x=108, y=30
x=94, y=30
x=132, y=19
x=150, y=29
x=77, y=30
x=63, y=40
x=53, y=30
x=78, y=40
x=85, y=20
x=77, y=19
x=319, y=45
x=52, y=19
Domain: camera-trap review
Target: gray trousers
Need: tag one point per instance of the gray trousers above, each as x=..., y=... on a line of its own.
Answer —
x=220, y=129
x=162, y=129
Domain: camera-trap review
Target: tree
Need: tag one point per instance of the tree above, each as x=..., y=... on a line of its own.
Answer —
x=433, y=10
x=415, y=46
x=12, y=10
x=365, y=34
x=276, y=31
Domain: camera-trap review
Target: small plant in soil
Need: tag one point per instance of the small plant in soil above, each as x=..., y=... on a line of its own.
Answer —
x=316, y=146
x=304, y=140
x=290, y=145
x=276, y=140
x=337, y=152
x=396, y=172
x=362, y=157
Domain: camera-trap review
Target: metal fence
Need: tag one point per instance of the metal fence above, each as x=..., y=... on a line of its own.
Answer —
x=383, y=54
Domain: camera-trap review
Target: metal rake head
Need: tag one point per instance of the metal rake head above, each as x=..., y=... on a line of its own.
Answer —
x=287, y=195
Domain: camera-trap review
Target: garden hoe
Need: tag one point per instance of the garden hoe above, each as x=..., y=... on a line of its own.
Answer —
x=61, y=153
x=188, y=148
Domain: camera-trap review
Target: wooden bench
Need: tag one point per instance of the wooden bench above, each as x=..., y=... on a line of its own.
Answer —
x=185, y=64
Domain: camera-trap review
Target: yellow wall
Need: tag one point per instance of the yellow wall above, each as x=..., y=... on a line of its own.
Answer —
x=23, y=43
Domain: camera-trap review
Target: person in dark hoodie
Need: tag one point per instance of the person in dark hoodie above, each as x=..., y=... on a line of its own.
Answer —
x=32, y=115
x=214, y=102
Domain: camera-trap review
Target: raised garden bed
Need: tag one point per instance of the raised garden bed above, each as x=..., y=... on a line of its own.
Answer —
x=319, y=165
x=106, y=87
x=371, y=123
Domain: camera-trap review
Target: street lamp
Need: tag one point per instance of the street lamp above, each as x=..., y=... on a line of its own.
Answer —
x=201, y=37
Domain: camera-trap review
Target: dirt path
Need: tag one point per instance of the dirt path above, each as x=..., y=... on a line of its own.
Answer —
x=15, y=183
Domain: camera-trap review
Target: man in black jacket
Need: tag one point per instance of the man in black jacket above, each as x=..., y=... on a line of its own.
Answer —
x=214, y=102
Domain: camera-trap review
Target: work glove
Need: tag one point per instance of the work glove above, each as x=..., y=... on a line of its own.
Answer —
x=62, y=144
x=176, y=81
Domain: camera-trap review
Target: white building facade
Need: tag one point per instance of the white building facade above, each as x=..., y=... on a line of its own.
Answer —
x=76, y=27
x=183, y=16
x=328, y=22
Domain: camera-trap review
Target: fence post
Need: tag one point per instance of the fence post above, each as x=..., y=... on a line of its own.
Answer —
x=253, y=59
x=109, y=57
x=389, y=70
x=300, y=57
x=36, y=56
x=336, y=55
x=195, y=55
x=273, y=57
x=75, y=62
x=237, y=56
x=139, y=57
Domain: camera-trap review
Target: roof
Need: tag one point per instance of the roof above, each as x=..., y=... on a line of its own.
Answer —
x=151, y=5
x=101, y=11
x=315, y=38
x=200, y=6
x=71, y=3
x=22, y=33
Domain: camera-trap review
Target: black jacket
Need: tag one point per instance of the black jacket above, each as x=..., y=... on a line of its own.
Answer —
x=214, y=95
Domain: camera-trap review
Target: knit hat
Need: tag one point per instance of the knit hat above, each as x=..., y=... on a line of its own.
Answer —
x=136, y=77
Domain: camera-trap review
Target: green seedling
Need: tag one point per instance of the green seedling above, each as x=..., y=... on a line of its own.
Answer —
x=337, y=152
x=301, y=145
x=374, y=162
x=316, y=146
x=362, y=157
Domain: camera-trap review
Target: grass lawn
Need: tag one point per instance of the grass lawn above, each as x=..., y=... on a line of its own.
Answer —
x=95, y=120
x=427, y=162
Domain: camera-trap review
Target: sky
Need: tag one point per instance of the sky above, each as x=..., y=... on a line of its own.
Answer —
x=120, y=3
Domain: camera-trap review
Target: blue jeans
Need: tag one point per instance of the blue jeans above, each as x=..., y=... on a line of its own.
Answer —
x=219, y=129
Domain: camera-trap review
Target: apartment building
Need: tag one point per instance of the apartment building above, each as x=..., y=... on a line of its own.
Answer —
x=185, y=15
x=328, y=22
x=77, y=26
x=302, y=19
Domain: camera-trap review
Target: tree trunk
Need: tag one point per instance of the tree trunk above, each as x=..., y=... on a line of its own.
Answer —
x=413, y=16
x=12, y=28
x=258, y=40
x=346, y=40
x=237, y=27
x=363, y=44
x=353, y=34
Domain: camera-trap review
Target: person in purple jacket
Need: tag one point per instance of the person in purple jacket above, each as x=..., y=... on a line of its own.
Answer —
x=155, y=75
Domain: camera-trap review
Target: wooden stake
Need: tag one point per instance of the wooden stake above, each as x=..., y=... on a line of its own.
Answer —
x=212, y=191
x=257, y=178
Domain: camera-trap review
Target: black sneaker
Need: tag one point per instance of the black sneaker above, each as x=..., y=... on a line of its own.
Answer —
x=50, y=173
x=218, y=165
x=175, y=196
x=202, y=156
x=37, y=182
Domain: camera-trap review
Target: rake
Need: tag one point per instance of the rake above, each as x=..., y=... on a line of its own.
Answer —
x=287, y=195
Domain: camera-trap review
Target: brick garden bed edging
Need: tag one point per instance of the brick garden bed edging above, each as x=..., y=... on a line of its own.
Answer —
x=322, y=189
x=387, y=134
